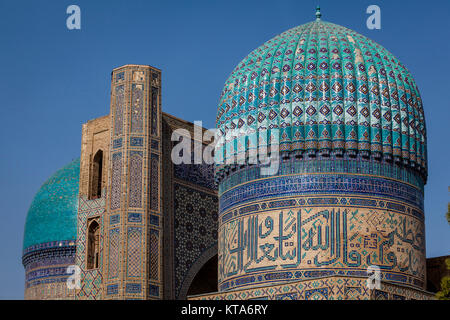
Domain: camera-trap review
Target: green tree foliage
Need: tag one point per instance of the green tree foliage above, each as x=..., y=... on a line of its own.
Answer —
x=444, y=294
x=448, y=210
x=448, y=213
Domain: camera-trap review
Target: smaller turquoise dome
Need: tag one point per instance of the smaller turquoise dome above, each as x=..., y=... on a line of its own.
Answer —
x=53, y=213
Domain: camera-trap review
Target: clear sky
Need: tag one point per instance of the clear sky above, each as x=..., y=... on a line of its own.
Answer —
x=52, y=80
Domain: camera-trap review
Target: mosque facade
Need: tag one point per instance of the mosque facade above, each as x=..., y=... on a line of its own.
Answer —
x=346, y=203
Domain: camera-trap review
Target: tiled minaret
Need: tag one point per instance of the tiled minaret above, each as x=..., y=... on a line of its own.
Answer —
x=132, y=232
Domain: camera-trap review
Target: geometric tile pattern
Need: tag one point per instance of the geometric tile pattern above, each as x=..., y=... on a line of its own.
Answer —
x=154, y=182
x=154, y=253
x=114, y=252
x=155, y=106
x=46, y=271
x=320, y=87
x=116, y=180
x=135, y=193
x=195, y=228
x=135, y=182
x=342, y=107
x=54, y=290
x=137, y=108
x=324, y=288
x=200, y=174
x=119, y=109
x=271, y=230
x=322, y=183
x=91, y=279
x=134, y=251
x=50, y=231
x=357, y=165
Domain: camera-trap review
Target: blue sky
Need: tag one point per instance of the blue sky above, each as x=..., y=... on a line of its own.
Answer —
x=52, y=80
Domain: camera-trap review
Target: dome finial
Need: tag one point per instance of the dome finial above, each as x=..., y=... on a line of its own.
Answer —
x=318, y=14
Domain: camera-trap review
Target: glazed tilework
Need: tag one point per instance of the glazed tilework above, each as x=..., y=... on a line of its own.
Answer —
x=112, y=289
x=271, y=230
x=321, y=183
x=349, y=192
x=48, y=245
x=137, y=107
x=154, y=254
x=135, y=192
x=50, y=235
x=322, y=87
x=155, y=111
x=200, y=174
x=134, y=245
x=91, y=279
x=154, y=182
x=324, y=288
x=117, y=143
x=135, y=183
x=189, y=203
x=49, y=265
x=136, y=142
x=53, y=211
x=63, y=255
x=133, y=288
x=116, y=180
x=119, y=109
x=113, y=254
x=357, y=165
x=195, y=230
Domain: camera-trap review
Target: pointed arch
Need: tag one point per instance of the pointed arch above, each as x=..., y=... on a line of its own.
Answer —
x=206, y=259
x=93, y=244
x=96, y=176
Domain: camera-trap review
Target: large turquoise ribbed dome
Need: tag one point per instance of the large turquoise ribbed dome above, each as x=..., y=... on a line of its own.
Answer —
x=325, y=89
x=53, y=212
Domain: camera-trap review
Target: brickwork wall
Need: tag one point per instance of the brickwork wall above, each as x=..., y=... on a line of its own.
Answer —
x=95, y=137
x=325, y=288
